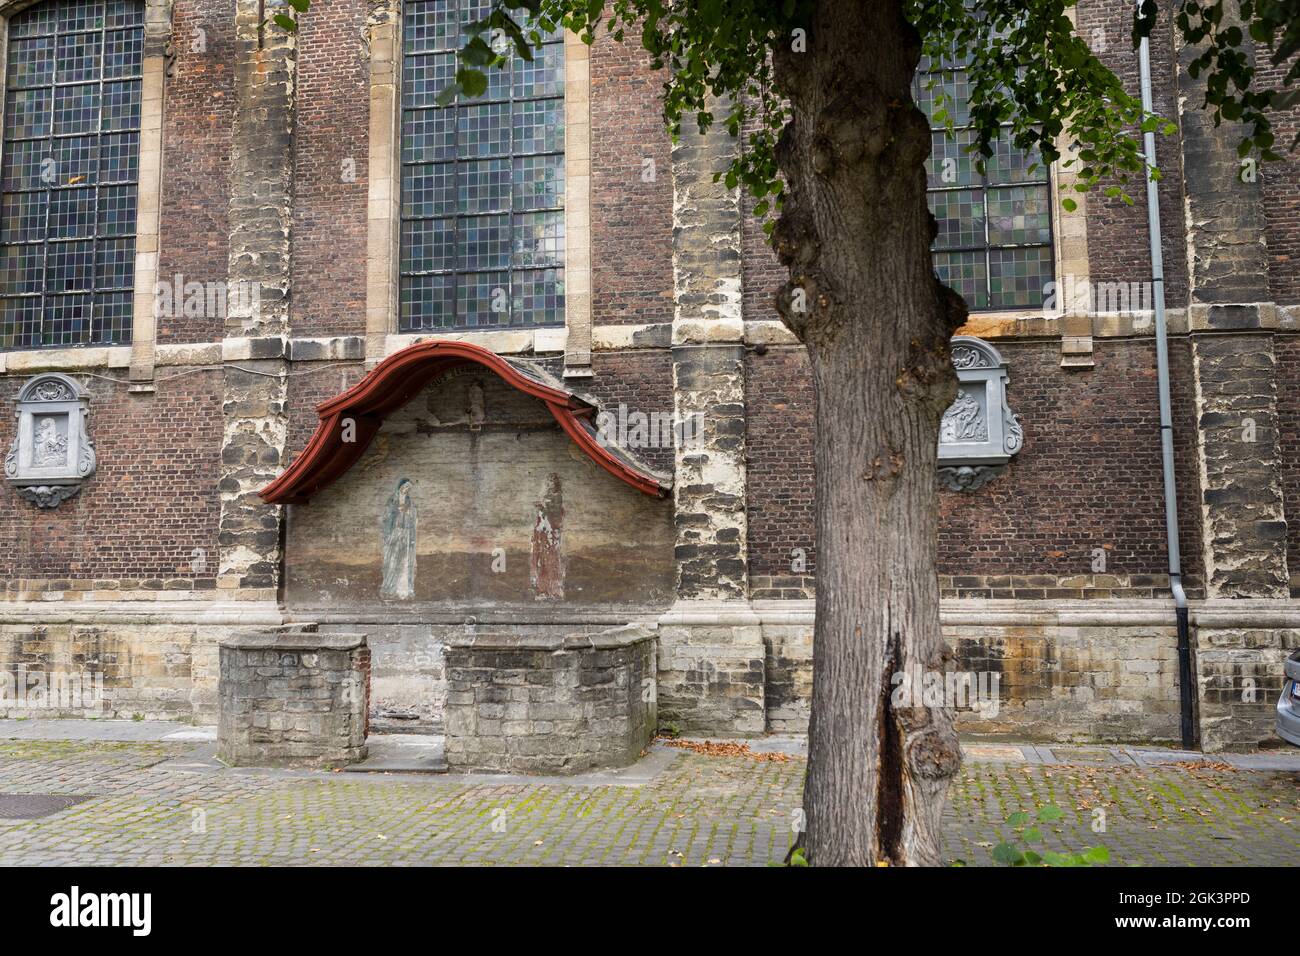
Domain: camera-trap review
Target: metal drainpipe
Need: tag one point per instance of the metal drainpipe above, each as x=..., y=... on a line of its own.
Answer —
x=1185, y=680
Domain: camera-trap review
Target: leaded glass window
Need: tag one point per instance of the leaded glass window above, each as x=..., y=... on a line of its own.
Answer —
x=482, y=233
x=995, y=228
x=70, y=171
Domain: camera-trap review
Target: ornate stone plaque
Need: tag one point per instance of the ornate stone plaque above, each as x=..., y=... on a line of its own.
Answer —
x=979, y=433
x=52, y=454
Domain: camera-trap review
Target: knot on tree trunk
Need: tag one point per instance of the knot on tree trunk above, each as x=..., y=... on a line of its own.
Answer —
x=930, y=747
x=927, y=375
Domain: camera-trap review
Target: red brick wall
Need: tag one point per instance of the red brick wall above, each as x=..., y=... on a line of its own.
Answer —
x=1281, y=181
x=152, y=501
x=778, y=446
x=631, y=219
x=197, y=110
x=312, y=384
x=1288, y=416
x=642, y=380
x=1088, y=477
x=332, y=126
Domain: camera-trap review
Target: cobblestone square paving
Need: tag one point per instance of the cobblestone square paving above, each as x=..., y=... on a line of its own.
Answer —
x=168, y=803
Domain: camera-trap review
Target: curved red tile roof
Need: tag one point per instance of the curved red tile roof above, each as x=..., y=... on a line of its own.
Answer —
x=399, y=378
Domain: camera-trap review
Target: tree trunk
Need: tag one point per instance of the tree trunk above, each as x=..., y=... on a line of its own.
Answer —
x=855, y=231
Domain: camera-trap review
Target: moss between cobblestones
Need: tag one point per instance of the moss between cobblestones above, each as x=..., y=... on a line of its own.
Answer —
x=699, y=809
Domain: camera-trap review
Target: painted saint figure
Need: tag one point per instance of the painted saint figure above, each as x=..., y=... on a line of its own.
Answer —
x=546, y=573
x=51, y=448
x=398, y=544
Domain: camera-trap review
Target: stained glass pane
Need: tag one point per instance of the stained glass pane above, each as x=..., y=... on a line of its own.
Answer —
x=483, y=299
x=994, y=229
x=539, y=182
x=428, y=245
x=960, y=216
x=483, y=242
x=21, y=268
x=424, y=77
x=27, y=114
x=428, y=135
x=72, y=214
x=483, y=186
x=428, y=302
x=544, y=76
x=123, y=54
x=31, y=63
x=81, y=57
x=1018, y=277
x=964, y=272
x=539, y=126
x=429, y=26
x=70, y=169
x=539, y=294
x=428, y=189
x=24, y=216
x=116, y=213
x=483, y=130
x=1018, y=215
x=539, y=239
x=1011, y=165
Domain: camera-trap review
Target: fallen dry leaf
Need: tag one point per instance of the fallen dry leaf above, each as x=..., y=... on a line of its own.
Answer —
x=711, y=748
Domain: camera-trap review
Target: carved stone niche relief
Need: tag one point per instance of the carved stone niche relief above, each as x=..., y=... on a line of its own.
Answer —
x=979, y=433
x=52, y=453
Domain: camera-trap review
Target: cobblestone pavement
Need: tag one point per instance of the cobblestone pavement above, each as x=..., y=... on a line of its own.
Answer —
x=167, y=802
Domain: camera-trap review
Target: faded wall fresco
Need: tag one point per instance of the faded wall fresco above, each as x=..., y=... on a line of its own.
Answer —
x=471, y=494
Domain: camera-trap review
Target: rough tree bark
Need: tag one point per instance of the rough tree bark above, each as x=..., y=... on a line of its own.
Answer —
x=855, y=232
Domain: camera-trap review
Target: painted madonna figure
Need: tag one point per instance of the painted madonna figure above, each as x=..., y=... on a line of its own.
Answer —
x=398, y=545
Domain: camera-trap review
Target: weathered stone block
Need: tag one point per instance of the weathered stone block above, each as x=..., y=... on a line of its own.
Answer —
x=313, y=713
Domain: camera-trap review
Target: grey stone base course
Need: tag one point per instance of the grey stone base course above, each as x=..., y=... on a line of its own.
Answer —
x=293, y=699
x=1068, y=671
x=549, y=702
x=712, y=666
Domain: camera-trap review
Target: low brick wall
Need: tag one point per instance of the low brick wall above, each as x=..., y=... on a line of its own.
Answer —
x=549, y=703
x=293, y=699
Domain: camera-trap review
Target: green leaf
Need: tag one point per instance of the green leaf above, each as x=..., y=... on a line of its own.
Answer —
x=300, y=5
x=1007, y=854
x=1098, y=854
x=448, y=95
x=1049, y=813
x=285, y=22
x=797, y=858
x=1032, y=858
x=1018, y=819
x=1033, y=835
x=1069, y=204
x=472, y=82
x=1052, y=858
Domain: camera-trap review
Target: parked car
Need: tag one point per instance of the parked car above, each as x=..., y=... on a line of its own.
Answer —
x=1288, y=706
